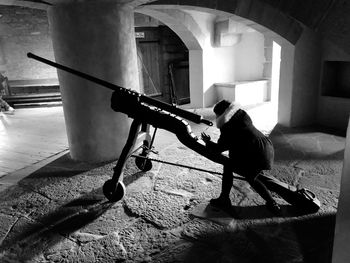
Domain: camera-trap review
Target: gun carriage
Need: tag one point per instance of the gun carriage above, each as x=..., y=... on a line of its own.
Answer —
x=145, y=112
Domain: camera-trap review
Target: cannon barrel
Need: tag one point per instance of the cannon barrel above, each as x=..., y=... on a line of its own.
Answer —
x=142, y=98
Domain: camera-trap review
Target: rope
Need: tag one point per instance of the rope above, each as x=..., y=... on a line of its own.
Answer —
x=185, y=166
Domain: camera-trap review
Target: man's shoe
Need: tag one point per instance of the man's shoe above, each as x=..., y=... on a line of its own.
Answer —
x=223, y=203
x=306, y=200
x=10, y=110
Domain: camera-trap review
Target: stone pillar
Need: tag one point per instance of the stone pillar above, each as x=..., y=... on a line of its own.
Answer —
x=96, y=38
x=286, y=83
x=341, y=244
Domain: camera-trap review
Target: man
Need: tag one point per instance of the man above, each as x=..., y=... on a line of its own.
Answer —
x=3, y=104
x=250, y=153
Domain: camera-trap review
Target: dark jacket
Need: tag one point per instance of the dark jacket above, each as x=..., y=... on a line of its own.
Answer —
x=249, y=149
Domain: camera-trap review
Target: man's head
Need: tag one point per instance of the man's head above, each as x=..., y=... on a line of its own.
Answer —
x=221, y=107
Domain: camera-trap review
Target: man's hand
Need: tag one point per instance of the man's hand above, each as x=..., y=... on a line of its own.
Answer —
x=205, y=137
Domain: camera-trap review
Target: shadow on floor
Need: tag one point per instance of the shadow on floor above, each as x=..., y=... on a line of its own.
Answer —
x=309, y=240
x=295, y=239
x=313, y=142
x=30, y=237
x=36, y=231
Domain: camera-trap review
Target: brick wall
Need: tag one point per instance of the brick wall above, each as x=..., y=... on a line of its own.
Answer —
x=25, y=30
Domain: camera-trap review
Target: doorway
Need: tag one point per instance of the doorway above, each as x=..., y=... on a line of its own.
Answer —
x=163, y=64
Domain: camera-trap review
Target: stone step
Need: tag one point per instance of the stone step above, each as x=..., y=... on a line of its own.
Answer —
x=34, y=100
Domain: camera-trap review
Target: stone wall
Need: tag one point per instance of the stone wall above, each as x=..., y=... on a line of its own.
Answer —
x=333, y=110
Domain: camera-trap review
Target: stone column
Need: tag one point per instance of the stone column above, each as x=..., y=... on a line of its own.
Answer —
x=341, y=243
x=96, y=38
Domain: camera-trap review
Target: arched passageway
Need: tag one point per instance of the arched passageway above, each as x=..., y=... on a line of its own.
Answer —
x=190, y=23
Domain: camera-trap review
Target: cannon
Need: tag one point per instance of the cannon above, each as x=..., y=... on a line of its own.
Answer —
x=144, y=111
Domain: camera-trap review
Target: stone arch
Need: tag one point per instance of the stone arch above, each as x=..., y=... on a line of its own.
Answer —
x=262, y=14
x=173, y=17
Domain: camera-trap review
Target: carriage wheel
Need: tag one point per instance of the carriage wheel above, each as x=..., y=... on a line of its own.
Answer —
x=143, y=164
x=114, y=192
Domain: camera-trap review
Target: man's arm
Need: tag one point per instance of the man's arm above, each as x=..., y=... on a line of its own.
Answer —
x=214, y=146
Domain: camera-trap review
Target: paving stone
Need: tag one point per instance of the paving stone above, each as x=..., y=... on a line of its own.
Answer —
x=241, y=190
x=331, y=144
x=6, y=222
x=65, y=251
x=329, y=181
x=323, y=167
x=27, y=242
x=22, y=229
x=141, y=240
x=130, y=168
x=201, y=227
x=283, y=237
x=205, y=211
x=139, y=182
x=67, y=163
x=105, y=249
x=177, y=253
x=227, y=245
x=67, y=188
x=164, y=211
x=21, y=201
x=187, y=182
x=182, y=155
x=287, y=156
x=113, y=219
x=3, y=187
x=288, y=175
x=80, y=219
x=197, y=185
x=328, y=198
x=52, y=212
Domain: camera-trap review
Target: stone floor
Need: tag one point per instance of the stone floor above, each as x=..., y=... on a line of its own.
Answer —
x=29, y=136
x=58, y=213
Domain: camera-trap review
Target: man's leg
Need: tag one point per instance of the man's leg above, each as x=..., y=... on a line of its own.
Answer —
x=285, y=190
x=4, y=105
x=276, y=185
x=301, y=198
x=262, y=190
x=223, y=201
x=227, y=181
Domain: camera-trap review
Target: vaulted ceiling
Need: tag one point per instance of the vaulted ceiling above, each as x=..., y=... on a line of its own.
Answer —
x=331, y=18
